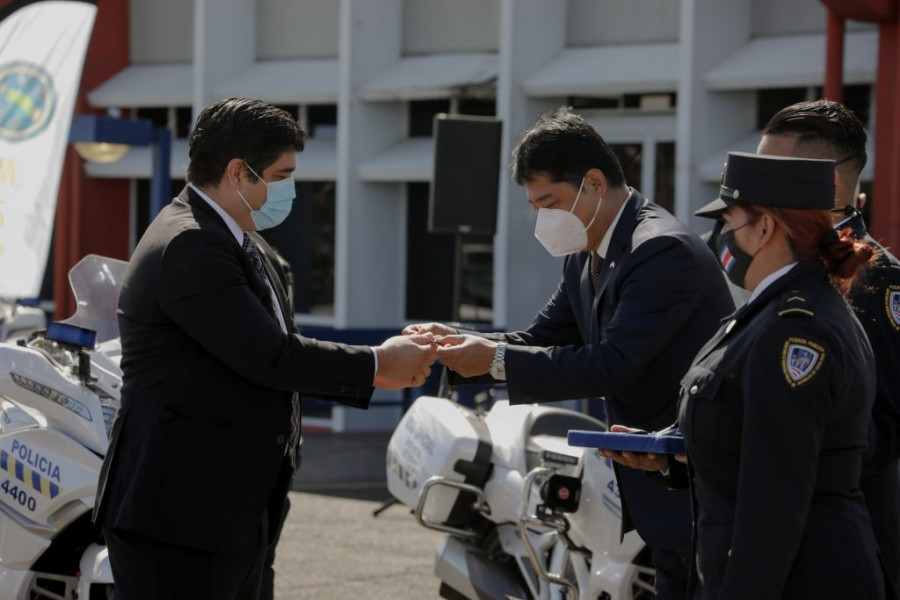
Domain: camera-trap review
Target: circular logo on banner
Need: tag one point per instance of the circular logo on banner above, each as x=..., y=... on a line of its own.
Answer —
x=27, y=100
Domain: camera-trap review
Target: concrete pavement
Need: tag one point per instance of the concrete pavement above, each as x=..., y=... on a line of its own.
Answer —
x=332, y=546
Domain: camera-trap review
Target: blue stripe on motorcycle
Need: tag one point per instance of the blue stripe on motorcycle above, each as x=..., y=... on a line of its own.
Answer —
x=611, y=505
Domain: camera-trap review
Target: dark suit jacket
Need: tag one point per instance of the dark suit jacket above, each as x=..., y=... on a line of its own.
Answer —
x=197, y=450
x=872, y=298
x=661, y=296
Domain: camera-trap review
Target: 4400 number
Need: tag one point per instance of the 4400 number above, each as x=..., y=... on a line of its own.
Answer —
x=20, y=494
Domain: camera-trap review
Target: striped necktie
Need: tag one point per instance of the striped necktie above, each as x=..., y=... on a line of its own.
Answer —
x=291, y=448
x=596, y=265
x=255, y=258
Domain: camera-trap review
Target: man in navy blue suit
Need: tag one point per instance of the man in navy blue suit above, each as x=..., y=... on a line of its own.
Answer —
x=639, y=295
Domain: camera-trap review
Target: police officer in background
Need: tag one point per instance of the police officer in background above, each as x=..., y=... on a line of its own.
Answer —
x=775, y=408
x=829, y=130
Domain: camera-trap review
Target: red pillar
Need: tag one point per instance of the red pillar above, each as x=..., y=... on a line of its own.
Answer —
x=92, y=215
x=885, y=223
x=834, y=59
x=886, y=188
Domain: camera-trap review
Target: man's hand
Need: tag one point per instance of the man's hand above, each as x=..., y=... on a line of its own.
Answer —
x=404, y=361
x=645, y=461
x=438, y=329
x=468, y=355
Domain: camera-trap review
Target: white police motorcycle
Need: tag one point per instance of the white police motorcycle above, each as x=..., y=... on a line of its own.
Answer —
x=59, y=394
x=19, y=319
x=526, y=515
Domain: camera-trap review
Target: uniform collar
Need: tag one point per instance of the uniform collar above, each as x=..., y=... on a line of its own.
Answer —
x=769, y=280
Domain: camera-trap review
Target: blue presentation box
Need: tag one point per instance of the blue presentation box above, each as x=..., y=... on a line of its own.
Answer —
x=633, y=442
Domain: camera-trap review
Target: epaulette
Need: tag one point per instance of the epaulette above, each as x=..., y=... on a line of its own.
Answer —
x=795, y=304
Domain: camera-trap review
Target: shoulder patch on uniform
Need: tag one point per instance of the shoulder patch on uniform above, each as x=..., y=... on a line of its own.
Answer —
x=892, y=305
x=800, y=360
x=795, y=303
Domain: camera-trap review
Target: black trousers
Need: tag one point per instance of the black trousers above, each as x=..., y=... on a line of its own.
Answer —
x=146, y=569
x=267, y=590
x=672, y=569
x=882, y=494
x=280, y=508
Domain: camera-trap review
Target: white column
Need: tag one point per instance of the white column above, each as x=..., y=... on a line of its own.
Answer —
x=708, y=121
x=369, y=240
x=532, y=32
x=224, y=45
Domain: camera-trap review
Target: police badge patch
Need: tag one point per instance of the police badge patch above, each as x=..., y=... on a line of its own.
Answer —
x=892, y=305
x=800, y=360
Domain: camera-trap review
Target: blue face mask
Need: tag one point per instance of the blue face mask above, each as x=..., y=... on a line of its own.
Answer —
x=279, y=201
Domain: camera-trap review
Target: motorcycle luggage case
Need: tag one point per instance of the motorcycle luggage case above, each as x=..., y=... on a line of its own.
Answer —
x=437, y=437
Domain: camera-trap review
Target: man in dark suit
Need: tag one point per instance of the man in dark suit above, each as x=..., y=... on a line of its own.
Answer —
x=639, y=295
x=829, y=130
x=201, y=454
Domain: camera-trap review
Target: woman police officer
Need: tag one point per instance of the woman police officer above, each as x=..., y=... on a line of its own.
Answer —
x=776, y=406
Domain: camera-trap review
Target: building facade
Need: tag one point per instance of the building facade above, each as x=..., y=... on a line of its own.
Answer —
x=671, y=84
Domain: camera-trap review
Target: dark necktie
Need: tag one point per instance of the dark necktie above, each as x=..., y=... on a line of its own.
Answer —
x=596, y=265
x=255, y=258
x=291, y=447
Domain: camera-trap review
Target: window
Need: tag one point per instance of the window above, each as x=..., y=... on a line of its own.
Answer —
x=421, y=116
x=661, y=189
x=306, y=241
x=432, y=292
x=857, y=98
x=421, y=113
x=657, y=101
x=292, y=109
x=630, y=157
x=158, y=116
x=184, y=121
x=665, y=176
x=140, y=213
x=321, y=120
x=769, y=102
x=179, y=119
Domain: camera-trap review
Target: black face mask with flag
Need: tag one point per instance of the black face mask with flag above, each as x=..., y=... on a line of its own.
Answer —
x=734, y=261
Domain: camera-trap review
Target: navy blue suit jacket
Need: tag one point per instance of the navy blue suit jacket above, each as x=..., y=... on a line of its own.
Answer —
x=661, y=296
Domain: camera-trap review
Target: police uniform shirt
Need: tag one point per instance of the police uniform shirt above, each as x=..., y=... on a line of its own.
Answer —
x=775, y=412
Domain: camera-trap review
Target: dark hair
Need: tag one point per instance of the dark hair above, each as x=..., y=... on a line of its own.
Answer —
x=811, y=236
x=825, y=126
x=564, y=147
x=242, y=128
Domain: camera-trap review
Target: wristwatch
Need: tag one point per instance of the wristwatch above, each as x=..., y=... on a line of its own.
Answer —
x=498, y=366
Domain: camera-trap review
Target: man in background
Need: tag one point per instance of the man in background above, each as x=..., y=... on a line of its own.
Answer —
x=829, y=130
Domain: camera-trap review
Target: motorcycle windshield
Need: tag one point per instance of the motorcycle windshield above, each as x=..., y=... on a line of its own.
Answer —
x=96, y=281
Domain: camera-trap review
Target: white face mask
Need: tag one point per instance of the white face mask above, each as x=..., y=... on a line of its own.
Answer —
x=560, y=231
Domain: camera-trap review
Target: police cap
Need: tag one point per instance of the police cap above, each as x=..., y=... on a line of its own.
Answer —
x=783, y=182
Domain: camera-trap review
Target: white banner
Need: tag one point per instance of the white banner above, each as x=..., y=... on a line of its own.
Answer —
x=42, y=48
